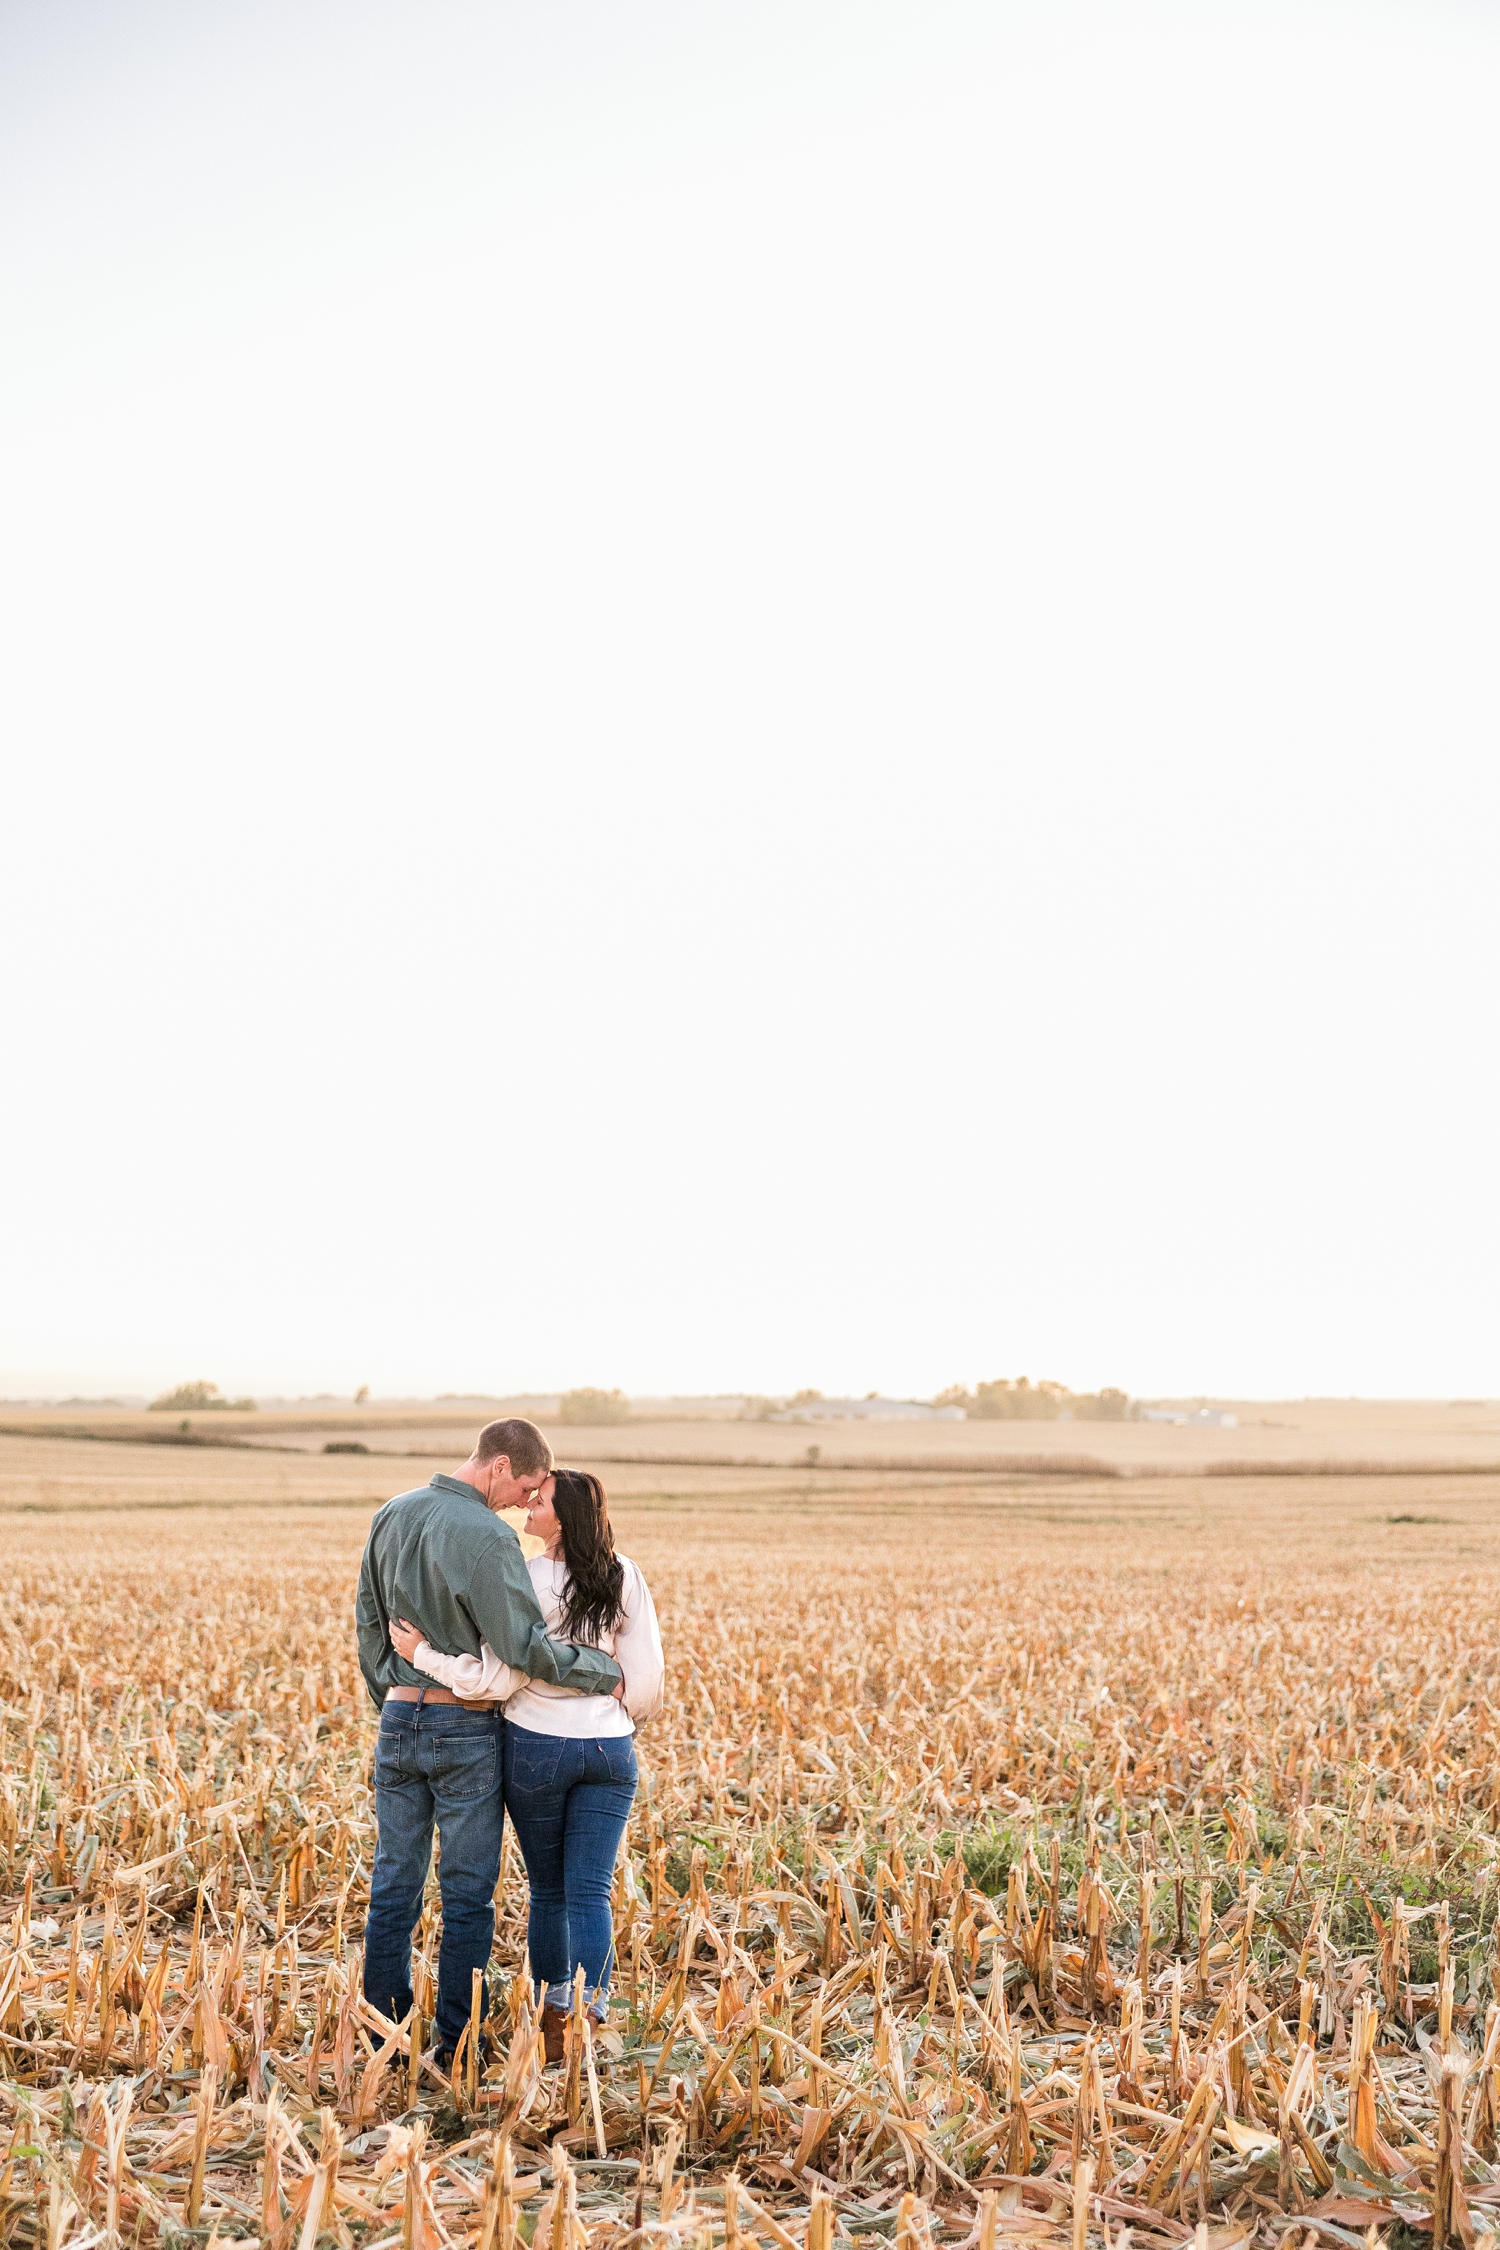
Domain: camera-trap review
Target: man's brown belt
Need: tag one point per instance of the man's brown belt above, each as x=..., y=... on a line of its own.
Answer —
x=437, y=1695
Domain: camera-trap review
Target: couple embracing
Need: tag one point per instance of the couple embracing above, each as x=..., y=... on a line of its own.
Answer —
x=502, y=1686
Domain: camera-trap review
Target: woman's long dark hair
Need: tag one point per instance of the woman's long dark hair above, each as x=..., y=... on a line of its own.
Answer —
x=593, y=1599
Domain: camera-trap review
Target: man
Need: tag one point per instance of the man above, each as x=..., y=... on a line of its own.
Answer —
x=442, y=1557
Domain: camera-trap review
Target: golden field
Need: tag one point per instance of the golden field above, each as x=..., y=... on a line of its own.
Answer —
x=1027, y=1854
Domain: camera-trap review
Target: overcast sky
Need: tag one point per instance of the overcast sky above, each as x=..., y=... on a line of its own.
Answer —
x=750, y=694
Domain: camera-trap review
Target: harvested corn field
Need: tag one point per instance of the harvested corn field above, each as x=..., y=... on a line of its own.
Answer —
x=1011, y=1865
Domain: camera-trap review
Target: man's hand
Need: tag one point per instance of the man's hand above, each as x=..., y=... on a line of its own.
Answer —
x=619, y=1692
x=404, y=1638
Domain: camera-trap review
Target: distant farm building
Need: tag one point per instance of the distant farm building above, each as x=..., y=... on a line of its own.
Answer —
x=868, y=1410
x=1201, y=1417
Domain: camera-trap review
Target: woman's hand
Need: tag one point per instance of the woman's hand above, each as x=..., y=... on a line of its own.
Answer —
x=405, y=1638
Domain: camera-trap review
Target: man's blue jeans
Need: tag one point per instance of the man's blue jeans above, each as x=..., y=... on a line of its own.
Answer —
x=569, y=1801
x=436, y=1763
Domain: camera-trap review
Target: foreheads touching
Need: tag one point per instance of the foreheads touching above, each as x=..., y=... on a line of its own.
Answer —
x=510, y=1461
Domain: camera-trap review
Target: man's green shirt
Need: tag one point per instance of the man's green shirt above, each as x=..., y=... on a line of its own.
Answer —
x=441, y=1559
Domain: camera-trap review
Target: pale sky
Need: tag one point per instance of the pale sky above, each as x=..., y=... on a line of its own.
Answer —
x=750, y=694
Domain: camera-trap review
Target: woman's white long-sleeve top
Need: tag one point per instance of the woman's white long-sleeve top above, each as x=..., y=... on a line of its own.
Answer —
x=635, y=1645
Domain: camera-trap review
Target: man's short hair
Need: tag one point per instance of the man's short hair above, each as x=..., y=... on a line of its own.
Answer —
x=522, y=1443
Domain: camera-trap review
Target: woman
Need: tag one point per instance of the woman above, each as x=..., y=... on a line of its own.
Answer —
x=570, y=1771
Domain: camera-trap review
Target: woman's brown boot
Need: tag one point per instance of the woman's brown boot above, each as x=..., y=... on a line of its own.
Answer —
x=554, y=2032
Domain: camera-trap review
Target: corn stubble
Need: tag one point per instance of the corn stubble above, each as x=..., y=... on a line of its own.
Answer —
x=977, y=1906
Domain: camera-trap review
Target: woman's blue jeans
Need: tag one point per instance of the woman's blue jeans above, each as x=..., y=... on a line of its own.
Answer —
x=569, y=1801
x=440, y=1764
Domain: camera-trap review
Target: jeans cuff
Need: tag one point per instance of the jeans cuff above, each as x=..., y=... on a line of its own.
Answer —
x=595, y=1999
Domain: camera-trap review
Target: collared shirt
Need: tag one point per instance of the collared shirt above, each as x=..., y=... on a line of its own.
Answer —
x=441, y=1559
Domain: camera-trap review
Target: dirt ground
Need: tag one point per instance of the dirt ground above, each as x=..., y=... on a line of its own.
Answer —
x=1389, y=1434
x=54, y=1489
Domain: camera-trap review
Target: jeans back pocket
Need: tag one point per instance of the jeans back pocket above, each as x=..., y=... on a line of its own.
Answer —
x=531, y=1760
x=462, y=1765
x=393, y=1768
x=619, y=1752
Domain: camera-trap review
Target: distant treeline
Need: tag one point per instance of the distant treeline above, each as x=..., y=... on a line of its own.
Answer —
x=1000, y=1401
x=1025, y=1401
x=198, y=1398
x=589, y=1408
